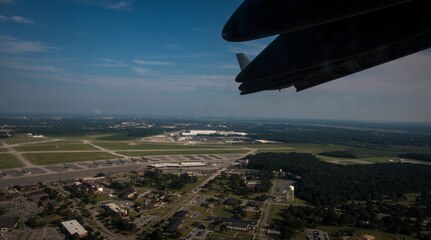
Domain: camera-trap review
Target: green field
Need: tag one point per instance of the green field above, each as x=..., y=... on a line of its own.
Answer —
x=3, y=149
x=155, y=146
x=20, y=138
x=181, y=152
x=56, y=158
x=8, y=161
x=60, y=146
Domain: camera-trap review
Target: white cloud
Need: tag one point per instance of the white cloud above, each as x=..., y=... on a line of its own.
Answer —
x=20, y=19
x=151, y=63
x=111, y=63
x=230, y=66
x=27, y=67
x=17, y=19
x=123, y=5
x=120, y=5
x=141, y=71
x=14, y=45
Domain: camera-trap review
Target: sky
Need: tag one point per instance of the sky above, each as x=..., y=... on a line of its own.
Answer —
x=168, y=58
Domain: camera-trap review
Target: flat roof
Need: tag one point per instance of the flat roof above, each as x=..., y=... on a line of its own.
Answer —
x=73, y=226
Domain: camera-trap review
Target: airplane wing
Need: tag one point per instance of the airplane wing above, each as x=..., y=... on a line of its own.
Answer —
x=315, y=55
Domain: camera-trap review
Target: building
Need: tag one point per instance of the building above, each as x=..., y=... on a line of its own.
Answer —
x=91, y=187
x=127, y=193
x=238, y=224
x=211, y=132
x=7, y=223
x=315, y=234
x=118, y=210
x=5, y=133
x=37, y=196
x=176, y=221
x=74, y=227
x=178, y=165
x=233, y=202
x=290, y=193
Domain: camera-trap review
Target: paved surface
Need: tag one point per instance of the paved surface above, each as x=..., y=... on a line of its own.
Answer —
x=263, y=221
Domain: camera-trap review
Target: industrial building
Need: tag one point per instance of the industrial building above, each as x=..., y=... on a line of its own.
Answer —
x=74, y=227
x=118, y=210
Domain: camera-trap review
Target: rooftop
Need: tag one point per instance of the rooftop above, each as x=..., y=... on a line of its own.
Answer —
x=73, y=227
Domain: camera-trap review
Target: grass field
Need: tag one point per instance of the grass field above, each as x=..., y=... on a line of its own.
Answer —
x=55, y=147
x=181, y=152
x=21, y=138
x=56, y=158
x=154, y=146
x=8, y=161
x=3, y=149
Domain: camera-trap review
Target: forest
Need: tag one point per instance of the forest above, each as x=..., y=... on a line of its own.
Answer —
x=322, y=183
x=338, y=154
x=386, y=216
x=416, y=156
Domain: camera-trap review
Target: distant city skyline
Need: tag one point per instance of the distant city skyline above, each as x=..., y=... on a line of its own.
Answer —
x=167, y=58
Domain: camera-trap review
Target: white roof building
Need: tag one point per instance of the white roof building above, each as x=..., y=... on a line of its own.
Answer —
x=73, y=227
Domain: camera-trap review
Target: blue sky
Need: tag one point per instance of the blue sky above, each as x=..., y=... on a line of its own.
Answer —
x=168, y=58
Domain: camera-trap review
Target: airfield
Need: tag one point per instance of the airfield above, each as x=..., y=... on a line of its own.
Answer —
x=26, y=161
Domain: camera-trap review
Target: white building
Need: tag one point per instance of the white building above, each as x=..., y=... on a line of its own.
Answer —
x=73, y=227
x=211, y=132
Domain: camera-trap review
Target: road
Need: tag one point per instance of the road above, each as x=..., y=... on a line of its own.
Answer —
x=263, y=221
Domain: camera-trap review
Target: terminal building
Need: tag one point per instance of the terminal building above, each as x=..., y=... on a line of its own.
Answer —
x=178, y=165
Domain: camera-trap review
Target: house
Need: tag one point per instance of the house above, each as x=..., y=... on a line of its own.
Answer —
x=7, y=223
x=74, y=227
x=127, y=193
x=91, y=187
x=255, y=204
x=51, y=204
x=37, y=196
x=233, y=202
x=171, y=198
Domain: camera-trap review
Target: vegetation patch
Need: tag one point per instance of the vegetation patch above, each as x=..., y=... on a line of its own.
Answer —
x=182, y=152
x=56, y=158
x=416, y=156
x=8, y=161
x=339, y=154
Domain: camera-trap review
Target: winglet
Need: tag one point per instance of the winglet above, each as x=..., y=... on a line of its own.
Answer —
x=242, y=60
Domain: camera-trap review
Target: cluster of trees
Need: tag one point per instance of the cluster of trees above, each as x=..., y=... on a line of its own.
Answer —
x=390, y=217
x=84, y=196
x=417, y=156
x=162, y=181
x=339, y=154
x=237, y=183
x=301, y=133
x=324, y=183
